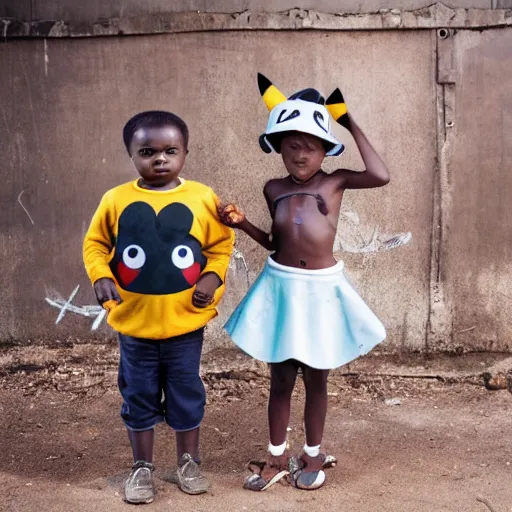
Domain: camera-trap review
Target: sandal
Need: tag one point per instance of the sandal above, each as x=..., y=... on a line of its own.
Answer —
x=266, y=473
x=311, y=480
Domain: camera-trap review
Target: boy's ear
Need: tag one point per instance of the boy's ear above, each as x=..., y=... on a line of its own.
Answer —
x=337, y=108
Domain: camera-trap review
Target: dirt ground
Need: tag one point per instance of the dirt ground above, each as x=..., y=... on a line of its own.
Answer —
x=445, y=447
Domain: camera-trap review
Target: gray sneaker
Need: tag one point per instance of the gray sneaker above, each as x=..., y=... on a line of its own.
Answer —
x=190, y=479
x=139, y=486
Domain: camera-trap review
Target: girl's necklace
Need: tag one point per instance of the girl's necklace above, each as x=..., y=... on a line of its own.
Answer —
x=299, y=182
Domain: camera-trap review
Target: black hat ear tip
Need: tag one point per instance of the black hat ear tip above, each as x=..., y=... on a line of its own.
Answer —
x=263, y=83
x=335, y=97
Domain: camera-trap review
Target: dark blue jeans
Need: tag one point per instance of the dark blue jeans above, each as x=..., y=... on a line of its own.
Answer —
x=159, y=380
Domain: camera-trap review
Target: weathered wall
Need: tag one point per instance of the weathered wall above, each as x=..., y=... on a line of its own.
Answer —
x=478, y=151
x=128, y=21
x=65, y=104
x=94, y=9
x=436, y=103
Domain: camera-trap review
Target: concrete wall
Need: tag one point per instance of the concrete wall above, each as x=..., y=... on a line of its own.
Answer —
x=478, y=245
x=436, y=107
x=71, y=10
x=65, y=104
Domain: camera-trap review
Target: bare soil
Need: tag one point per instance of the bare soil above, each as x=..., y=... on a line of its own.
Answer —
x=445, y=447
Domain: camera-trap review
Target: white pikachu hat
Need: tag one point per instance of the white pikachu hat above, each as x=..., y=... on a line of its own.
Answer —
x=305, y=111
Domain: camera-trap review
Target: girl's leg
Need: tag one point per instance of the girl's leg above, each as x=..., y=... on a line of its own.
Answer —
x=312, y=475
x=315, y=410
x=282, y=382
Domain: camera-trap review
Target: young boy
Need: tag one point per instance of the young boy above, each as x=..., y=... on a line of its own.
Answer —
x=302, y=312
x=157, y=256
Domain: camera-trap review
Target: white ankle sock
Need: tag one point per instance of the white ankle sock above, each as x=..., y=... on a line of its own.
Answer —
x=276, y=451
x=312, y=451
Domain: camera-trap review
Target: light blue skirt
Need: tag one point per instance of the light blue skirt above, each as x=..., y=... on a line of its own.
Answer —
x=313, y=316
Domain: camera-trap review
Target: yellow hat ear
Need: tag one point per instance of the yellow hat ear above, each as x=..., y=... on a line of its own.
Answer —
x=336, y=106
x=271, y=95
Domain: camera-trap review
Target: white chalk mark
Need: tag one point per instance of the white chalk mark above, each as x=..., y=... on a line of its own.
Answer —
x=378, y=243
x=67, y=304
x=89, y=311
x=354, y=238
x=396, y=241
x=351, y=216
x=42, y=154
x=23, y=206
x=237, y=255
x=46, y=58
x=99, y=319
x=6, y=26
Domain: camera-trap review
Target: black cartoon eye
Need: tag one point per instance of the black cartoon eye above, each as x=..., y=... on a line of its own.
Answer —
x=134, y=257
x=293, y=115
x=183, y=257
x=319, y=120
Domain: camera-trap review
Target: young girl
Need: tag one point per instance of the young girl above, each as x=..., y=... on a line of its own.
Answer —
x=301, y=312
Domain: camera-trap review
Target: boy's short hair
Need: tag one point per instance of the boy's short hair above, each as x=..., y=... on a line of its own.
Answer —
x=153, y=119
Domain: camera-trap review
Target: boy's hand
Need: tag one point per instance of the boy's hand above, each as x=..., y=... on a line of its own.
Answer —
x=230, y=215
x=205, y=289
x=106, y=290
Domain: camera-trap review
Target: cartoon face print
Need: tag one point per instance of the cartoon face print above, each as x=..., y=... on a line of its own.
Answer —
x=298, y=115
x=155, y=254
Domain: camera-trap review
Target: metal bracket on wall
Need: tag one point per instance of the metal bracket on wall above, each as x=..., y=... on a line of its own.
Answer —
x=446, y=74
x=439, y=329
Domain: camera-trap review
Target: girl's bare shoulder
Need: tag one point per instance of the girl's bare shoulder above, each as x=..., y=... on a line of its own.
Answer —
x=275, y=186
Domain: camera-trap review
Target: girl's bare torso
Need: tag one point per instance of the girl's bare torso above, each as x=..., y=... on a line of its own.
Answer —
x=305, y=218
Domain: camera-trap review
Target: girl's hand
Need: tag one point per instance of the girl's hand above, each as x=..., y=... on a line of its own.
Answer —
x=231, y=215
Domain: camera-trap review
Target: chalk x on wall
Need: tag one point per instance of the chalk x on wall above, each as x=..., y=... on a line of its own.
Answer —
x=356, y=238
x=55, y=300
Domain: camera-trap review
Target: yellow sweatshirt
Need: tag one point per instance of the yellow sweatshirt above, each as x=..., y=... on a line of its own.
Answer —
x=155, y=245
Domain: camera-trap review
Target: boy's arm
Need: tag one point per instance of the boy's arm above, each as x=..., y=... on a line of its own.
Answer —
x=97, y=248
x=376, y=173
